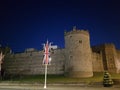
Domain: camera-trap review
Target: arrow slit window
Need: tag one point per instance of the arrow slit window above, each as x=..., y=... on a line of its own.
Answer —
x=80, y=41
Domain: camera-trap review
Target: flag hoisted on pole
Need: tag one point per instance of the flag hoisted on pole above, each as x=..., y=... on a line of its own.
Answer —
x=47, y=48
x=47, y=58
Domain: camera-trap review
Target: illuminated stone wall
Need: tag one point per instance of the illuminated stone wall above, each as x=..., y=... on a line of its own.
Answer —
x=110, y=57
x=78, y=54
x=97, y=62
x=77, y=59
x=118, y=61
x=31, y=63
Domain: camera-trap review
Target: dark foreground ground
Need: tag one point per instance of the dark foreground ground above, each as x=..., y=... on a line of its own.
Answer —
x=58, y=82
x=56, y=87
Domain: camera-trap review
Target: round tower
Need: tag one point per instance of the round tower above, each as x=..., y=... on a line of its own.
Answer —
x=78, y=54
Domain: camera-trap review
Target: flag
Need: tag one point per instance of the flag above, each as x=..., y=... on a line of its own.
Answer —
x=47, y=58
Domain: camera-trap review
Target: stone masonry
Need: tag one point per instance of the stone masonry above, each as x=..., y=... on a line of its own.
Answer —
x=77, y=59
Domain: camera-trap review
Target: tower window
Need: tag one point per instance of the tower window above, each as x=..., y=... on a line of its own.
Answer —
x=80, y=41
x=70, y=36
x=70, y=57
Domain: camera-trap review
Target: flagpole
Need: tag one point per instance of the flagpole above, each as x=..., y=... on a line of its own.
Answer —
x=45, y=76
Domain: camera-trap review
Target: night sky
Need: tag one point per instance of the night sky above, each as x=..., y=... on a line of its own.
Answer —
x=29, y=23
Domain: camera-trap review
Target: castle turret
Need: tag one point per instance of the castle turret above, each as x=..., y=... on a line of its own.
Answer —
x=109, y=57
x=78, y=54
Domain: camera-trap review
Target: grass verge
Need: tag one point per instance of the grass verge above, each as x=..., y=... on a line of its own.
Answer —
x=54, y=79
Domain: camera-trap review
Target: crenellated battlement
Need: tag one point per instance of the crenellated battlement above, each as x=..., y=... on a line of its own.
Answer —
x=109, y=45
x=76, y=31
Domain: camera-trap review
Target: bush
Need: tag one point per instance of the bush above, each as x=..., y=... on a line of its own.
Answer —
x=107, y=81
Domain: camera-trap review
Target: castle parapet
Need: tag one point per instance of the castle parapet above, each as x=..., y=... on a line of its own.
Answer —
x=75, y=31
x=109, y=45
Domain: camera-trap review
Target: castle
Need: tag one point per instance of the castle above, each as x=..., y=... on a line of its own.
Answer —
x=77, y=59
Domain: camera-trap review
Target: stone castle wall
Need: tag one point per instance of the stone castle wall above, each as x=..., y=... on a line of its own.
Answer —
x=110, y=57
x=118, y=53
x=118, y=61
x=78, y=54
x=78, y=59
x=31, y=63
x=97, y=62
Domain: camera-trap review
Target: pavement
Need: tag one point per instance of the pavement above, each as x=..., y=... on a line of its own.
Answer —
x=36, y=86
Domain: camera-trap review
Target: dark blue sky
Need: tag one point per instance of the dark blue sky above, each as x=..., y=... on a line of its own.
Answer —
x=29, y=23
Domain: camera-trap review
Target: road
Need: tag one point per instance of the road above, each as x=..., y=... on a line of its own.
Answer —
x=27, y=87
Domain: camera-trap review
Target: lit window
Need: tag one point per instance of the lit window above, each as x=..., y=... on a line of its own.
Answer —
x=71, y=57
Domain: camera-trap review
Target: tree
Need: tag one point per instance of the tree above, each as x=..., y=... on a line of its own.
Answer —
x=107, y=81
x=3, y=51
